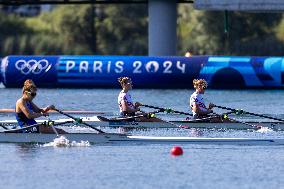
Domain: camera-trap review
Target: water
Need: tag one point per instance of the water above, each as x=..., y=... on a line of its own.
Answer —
x=151, y=165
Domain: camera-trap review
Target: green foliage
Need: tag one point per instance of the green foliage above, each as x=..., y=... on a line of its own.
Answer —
x=123, y=30
x=12, y=25
x=73, y=29
x=249, y=33
x=67, y=29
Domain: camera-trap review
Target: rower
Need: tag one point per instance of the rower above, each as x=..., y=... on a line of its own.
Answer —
x=197, y=104
x=126, y=106
x=27, y=111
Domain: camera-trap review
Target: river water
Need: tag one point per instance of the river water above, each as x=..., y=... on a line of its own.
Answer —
x=146, y=166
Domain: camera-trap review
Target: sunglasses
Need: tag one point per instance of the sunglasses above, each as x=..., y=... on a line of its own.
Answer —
x=32, y=94
x=203, y=86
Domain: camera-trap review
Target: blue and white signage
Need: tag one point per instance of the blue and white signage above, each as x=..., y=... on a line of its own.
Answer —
x=103, y=71
x=16, y=69
x=146, y=72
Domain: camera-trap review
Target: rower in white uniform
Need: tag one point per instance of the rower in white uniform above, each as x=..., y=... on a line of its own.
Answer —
x=197, y=103
x=126, y=105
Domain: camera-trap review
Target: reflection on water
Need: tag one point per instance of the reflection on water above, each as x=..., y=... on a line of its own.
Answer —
x=24, y=150
x=196, y=132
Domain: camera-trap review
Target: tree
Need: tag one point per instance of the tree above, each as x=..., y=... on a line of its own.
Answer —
x=123, y=30
x=249, y=33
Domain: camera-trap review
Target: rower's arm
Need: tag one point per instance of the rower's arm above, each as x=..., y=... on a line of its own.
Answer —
x=23, y=107
x=126, y=108
x=42, y=110
x=197, y=110
x=36, y=108
x=50, y=107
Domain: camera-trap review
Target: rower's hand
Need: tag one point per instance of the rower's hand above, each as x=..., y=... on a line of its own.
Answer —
x=137, y=104
x=44, y=114
x=144, y=114
x=50, y=107
x=137, y=109
x=211, y=105
x=210, y=111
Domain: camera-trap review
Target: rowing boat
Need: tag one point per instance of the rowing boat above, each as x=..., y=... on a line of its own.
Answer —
x=95, y=138
x=190, y=124
x=95, y=121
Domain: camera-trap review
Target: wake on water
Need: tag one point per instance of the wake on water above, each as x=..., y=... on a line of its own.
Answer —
x=62, y=141
x=265, y=130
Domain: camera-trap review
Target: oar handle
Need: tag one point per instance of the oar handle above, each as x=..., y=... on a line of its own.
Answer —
x=167, y=110
x=149, y=106
x=147, y=115
x=78, y=120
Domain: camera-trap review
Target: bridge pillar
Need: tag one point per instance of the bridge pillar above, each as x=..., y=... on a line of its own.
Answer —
x=162, y=27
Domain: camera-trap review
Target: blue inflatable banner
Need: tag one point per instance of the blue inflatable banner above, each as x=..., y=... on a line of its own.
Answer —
x=41, y=69
x=243, y=72
x=146, y=72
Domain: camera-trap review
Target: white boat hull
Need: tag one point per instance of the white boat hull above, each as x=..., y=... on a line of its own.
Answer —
x=173, y=124
x=121, y=138
x=180, y=124
x=188, y=125
x=44, y=138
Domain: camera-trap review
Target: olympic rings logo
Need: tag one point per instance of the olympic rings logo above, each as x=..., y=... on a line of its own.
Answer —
x=32, y=66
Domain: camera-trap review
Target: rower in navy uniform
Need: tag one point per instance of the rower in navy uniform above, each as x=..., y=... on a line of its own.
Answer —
x=27, y=111
x=197, y=103
x=126, y=105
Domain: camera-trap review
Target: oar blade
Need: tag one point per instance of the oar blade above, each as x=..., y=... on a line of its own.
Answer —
x=81, y=122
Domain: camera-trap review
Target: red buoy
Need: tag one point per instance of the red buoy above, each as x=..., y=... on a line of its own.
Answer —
x=176, y=151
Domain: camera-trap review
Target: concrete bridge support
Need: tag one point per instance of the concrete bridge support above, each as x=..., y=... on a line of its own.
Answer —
x=162, y=27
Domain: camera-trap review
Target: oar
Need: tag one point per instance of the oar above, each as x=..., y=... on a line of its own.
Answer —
x=51, y=124
x=149, y=115
x=250, y=113
x=223, y=116
x=242, y=122
x=4, y=127
x=78, y=120
x=167, y=110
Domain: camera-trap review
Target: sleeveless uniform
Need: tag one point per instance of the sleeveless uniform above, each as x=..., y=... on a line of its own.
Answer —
x=127, y=98
x=24, y=121
x=197, y=99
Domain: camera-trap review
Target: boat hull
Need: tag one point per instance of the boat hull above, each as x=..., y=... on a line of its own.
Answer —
x=278, y=126
x=121, y=138
x=45, y=138
x=187, y=124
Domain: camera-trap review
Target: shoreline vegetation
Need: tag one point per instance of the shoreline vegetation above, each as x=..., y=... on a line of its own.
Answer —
x=123, y=30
